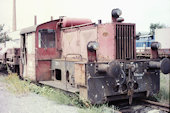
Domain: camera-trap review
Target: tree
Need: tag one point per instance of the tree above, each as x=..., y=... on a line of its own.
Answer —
x=155, y=26
x=3, y=35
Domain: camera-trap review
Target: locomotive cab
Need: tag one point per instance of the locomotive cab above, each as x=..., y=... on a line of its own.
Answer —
x=96, y=60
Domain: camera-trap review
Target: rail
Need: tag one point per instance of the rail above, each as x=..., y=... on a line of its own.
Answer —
x=164, y=107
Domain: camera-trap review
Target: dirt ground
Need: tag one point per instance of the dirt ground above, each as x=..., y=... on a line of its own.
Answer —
x=29, y=103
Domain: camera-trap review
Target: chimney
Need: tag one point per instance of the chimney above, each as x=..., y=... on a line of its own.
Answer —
x=35, y=20
x=99, y=21
x=14, y=27
x=51, y=18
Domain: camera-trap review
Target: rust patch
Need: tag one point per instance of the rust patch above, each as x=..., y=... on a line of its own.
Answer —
x=80, y=74
x=83, y=93
x=105, y=34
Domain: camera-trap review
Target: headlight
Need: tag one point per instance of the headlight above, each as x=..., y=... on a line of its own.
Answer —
x=93, y=46
x=116, y=13
x=155, y=45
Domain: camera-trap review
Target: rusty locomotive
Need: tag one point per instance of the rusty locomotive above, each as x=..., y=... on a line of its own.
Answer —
x=98, y=61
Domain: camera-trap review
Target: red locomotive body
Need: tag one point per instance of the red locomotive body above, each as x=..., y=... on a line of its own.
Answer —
x=96, y=60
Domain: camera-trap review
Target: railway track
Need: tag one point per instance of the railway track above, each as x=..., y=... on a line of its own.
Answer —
x=143, y=106
x=157, y=105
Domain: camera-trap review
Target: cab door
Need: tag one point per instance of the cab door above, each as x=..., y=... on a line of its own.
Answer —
x=46, y=51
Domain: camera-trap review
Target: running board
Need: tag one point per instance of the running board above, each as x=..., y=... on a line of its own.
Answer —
x=60, y=85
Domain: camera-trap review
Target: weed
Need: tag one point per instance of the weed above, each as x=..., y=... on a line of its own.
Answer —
x=164, y=93
x=17, y=86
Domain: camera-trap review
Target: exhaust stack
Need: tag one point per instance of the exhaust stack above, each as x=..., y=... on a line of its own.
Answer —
x=51, y=18
x=35, y=20
x=14, y=27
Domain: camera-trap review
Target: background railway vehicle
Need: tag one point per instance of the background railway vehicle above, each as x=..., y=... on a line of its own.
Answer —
x=96, y=60
x=2, y=53
x=144, y=43
x=10, y=52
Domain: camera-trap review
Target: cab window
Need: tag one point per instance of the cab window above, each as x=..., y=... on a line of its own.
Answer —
x=46, y=38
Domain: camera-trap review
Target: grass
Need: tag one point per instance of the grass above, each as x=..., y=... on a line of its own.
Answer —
x=164, y=93
x=22, y=87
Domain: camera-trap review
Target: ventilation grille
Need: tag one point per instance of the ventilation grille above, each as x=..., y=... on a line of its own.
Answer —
x=125, y=43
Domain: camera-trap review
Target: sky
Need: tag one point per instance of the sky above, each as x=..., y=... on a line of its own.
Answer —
x=140, y=12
